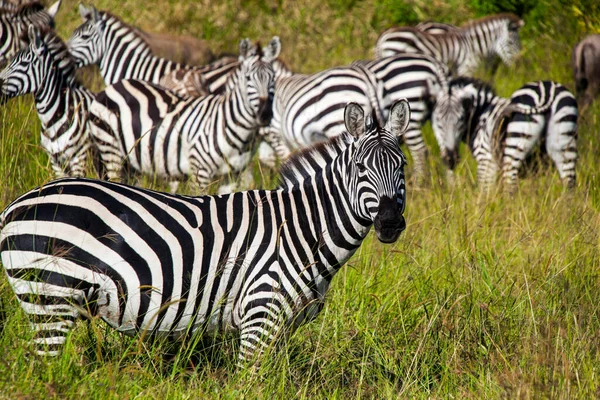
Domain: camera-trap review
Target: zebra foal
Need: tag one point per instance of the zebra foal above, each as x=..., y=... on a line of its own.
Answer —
x=258, y=263
x=502, y=132
x=46, y=69
x=462, y=48
x=156, y=133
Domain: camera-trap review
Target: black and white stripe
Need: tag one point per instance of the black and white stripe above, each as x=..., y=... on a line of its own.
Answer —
x=502, y=132
x=310, y=108
x=436, y=28
x=121, y=52
x=46, y=69
x=13, y=25
x=417, y=78
x=204, y=138
x=258, y=262
x=463, y=49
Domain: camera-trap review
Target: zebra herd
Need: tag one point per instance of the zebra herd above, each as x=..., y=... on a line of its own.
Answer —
x=260, y=261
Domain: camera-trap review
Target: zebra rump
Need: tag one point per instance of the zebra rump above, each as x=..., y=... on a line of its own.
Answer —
x=258, y=263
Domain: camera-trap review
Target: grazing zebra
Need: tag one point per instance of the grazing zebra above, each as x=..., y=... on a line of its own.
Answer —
x=121, y=52
x=310, y=108
x=159, y=134
x=45, y=68
x=417, y=78
x=464, y=48
x=257, y=262
x=502, y=132
x=13, y=25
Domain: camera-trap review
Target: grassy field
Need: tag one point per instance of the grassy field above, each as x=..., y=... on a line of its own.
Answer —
x=483, y=296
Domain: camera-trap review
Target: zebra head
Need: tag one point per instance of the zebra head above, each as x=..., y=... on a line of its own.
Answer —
x=14, y=20
x=29, y=70
x=86, y=44
x=451, y=117
x=258, y=77
x=508, y=44
x=376, y=169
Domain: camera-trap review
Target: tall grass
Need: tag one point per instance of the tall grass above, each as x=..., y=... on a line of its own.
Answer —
x=483, y=296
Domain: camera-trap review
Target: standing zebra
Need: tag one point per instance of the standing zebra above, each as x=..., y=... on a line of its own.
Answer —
x=45, y=68
x=121, y=52
x=159, y=134
x=464, y=48
x=258, y=262
x=13, y=25
x=502, y=132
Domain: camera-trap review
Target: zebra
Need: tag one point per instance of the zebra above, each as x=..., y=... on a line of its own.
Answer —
x=121, y=52
x=13, y=25
x=503, y=132
x=310, y=108
x=157, y=133
x=464, y=48
x=45, y=68
x=258, y=263
x=418, y=78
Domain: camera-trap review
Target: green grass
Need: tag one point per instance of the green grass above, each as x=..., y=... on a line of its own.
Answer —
x=483, y=296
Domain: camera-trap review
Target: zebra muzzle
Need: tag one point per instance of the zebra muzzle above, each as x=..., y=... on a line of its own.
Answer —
x=265, y=111
x=389, y=222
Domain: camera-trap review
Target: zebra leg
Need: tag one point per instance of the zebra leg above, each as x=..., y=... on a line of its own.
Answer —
x=103, y=128
x=57, y=167
x=414, y=140
x=522, y=134
x=51, y=309
x=272, y=147
x=487, y=172
x=241, y=182
x=173, y=186
x=561, y=142
x=260, y=327
x=77, y=164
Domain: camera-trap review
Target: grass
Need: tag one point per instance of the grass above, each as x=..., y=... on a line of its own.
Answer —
x=483, y=296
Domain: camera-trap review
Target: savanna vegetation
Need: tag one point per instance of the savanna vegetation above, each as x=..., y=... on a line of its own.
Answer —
x=483, y=296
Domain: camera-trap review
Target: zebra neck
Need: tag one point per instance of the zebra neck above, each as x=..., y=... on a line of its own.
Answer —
x=236, y=108
x=338, y=230
x=50, y=94
x=481, y=39
x=124, y=47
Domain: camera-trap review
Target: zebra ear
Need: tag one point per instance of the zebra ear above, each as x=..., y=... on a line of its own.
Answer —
x=53, y=9
x=84, y=12
x=271, y=52
x=354, y=117
x=399, y=118
x=245, y=47
x=516, y=25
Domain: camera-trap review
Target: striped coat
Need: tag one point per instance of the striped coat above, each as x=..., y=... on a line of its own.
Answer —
x=257, y=263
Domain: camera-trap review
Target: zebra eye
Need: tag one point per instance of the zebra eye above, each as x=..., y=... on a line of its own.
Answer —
x=361, y=167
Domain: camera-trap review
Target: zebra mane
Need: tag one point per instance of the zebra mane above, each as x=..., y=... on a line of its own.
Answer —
x=510, y=17
x=107, y=15
x=305, y=163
